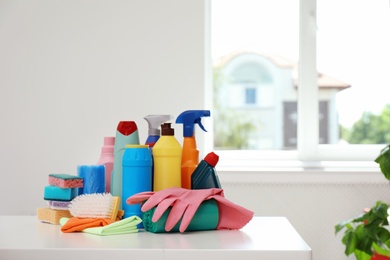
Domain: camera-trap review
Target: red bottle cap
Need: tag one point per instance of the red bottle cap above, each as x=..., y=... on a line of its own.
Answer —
x=212, y=159
x=127, y=127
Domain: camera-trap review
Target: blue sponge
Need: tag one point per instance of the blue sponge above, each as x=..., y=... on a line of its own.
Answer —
x=57, y=193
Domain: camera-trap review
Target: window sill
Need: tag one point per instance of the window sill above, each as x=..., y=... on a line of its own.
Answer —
x=300, y=172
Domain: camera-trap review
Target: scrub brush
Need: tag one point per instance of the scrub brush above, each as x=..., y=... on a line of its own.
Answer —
x=95, y=205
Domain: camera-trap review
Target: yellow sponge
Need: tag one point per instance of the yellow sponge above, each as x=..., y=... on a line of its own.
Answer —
x=52, y=216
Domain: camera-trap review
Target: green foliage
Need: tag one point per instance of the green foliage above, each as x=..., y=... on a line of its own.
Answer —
x=384, y=161
x=369, y=232
x=366, y=232
x=231, y=128
x=370, y=129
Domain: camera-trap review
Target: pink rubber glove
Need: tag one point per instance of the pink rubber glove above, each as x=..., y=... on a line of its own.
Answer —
x=161, y=199
x=184, y=204
x=185, y=207
x=139, y=197
x=170, y=194
x=231, y=216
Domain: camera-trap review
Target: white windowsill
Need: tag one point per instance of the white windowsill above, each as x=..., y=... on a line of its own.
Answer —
x=264, y=175
x=299, y=171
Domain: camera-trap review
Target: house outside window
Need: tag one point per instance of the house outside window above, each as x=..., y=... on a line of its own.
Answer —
x=307, y=78
x=274, y=117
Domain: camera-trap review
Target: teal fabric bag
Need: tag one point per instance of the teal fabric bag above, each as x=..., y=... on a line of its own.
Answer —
x=205, y=218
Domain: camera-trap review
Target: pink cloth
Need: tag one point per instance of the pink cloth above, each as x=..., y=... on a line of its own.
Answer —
x=185, y=203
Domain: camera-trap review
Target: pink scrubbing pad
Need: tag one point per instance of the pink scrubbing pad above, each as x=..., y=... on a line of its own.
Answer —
x=66, y=181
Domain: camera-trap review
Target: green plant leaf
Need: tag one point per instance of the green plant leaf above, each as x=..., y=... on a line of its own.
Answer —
x=380, y=250
x=384, y=161
x=343, y=224
x=360, y=255
x=384, y=235
x=349, y=240
x=361, y=218
x=365, y=238
x=380, y=211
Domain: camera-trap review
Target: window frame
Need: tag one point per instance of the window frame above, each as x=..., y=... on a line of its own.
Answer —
x=309, y=152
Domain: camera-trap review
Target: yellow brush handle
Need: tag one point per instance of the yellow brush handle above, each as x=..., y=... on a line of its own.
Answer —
x=115, y=208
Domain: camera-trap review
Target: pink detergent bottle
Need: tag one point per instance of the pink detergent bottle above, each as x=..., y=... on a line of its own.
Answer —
x=107, y=159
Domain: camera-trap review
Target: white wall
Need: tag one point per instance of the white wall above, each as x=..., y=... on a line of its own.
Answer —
x=314, y=201
x=71, y=70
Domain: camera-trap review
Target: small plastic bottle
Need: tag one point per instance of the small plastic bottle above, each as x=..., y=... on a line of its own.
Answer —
x=167, y=160
x=154, y=122
x=205, y=176
x=107, y=159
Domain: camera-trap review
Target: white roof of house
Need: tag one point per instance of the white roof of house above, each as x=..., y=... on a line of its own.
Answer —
x=324, y=81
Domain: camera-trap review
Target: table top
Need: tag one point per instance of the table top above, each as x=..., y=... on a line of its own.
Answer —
x=24, y=237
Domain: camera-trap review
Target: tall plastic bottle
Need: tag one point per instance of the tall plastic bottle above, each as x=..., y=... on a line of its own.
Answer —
x=190, y=155
x=205, y=176
x=126, y=133
x=107, y=159
x=154, y=122
x=137, y=176
x=167, y=160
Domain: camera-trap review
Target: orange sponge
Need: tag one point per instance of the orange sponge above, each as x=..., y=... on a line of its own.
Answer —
x=52, y=216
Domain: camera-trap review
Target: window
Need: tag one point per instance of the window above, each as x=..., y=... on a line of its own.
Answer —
x=250, y=95
x=317, y=72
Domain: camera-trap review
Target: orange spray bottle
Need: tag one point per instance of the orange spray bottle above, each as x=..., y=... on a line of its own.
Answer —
x=190, y=153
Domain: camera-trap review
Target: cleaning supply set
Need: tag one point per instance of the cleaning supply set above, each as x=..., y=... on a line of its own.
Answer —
x=160, y=186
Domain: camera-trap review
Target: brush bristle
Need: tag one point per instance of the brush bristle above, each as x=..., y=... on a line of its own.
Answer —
x=97, y=205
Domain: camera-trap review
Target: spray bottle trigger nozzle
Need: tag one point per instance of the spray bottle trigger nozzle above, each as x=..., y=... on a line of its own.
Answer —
x=199, y=122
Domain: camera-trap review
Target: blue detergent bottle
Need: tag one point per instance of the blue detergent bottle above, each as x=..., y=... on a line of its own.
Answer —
x=137, y=176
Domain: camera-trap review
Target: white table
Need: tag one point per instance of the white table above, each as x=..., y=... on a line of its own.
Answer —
x=270, y=238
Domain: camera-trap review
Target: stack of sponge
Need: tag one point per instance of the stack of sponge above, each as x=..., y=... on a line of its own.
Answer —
x=61, y=190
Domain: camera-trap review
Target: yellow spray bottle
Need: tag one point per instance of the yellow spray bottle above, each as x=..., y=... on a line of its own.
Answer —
x=190, y=153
